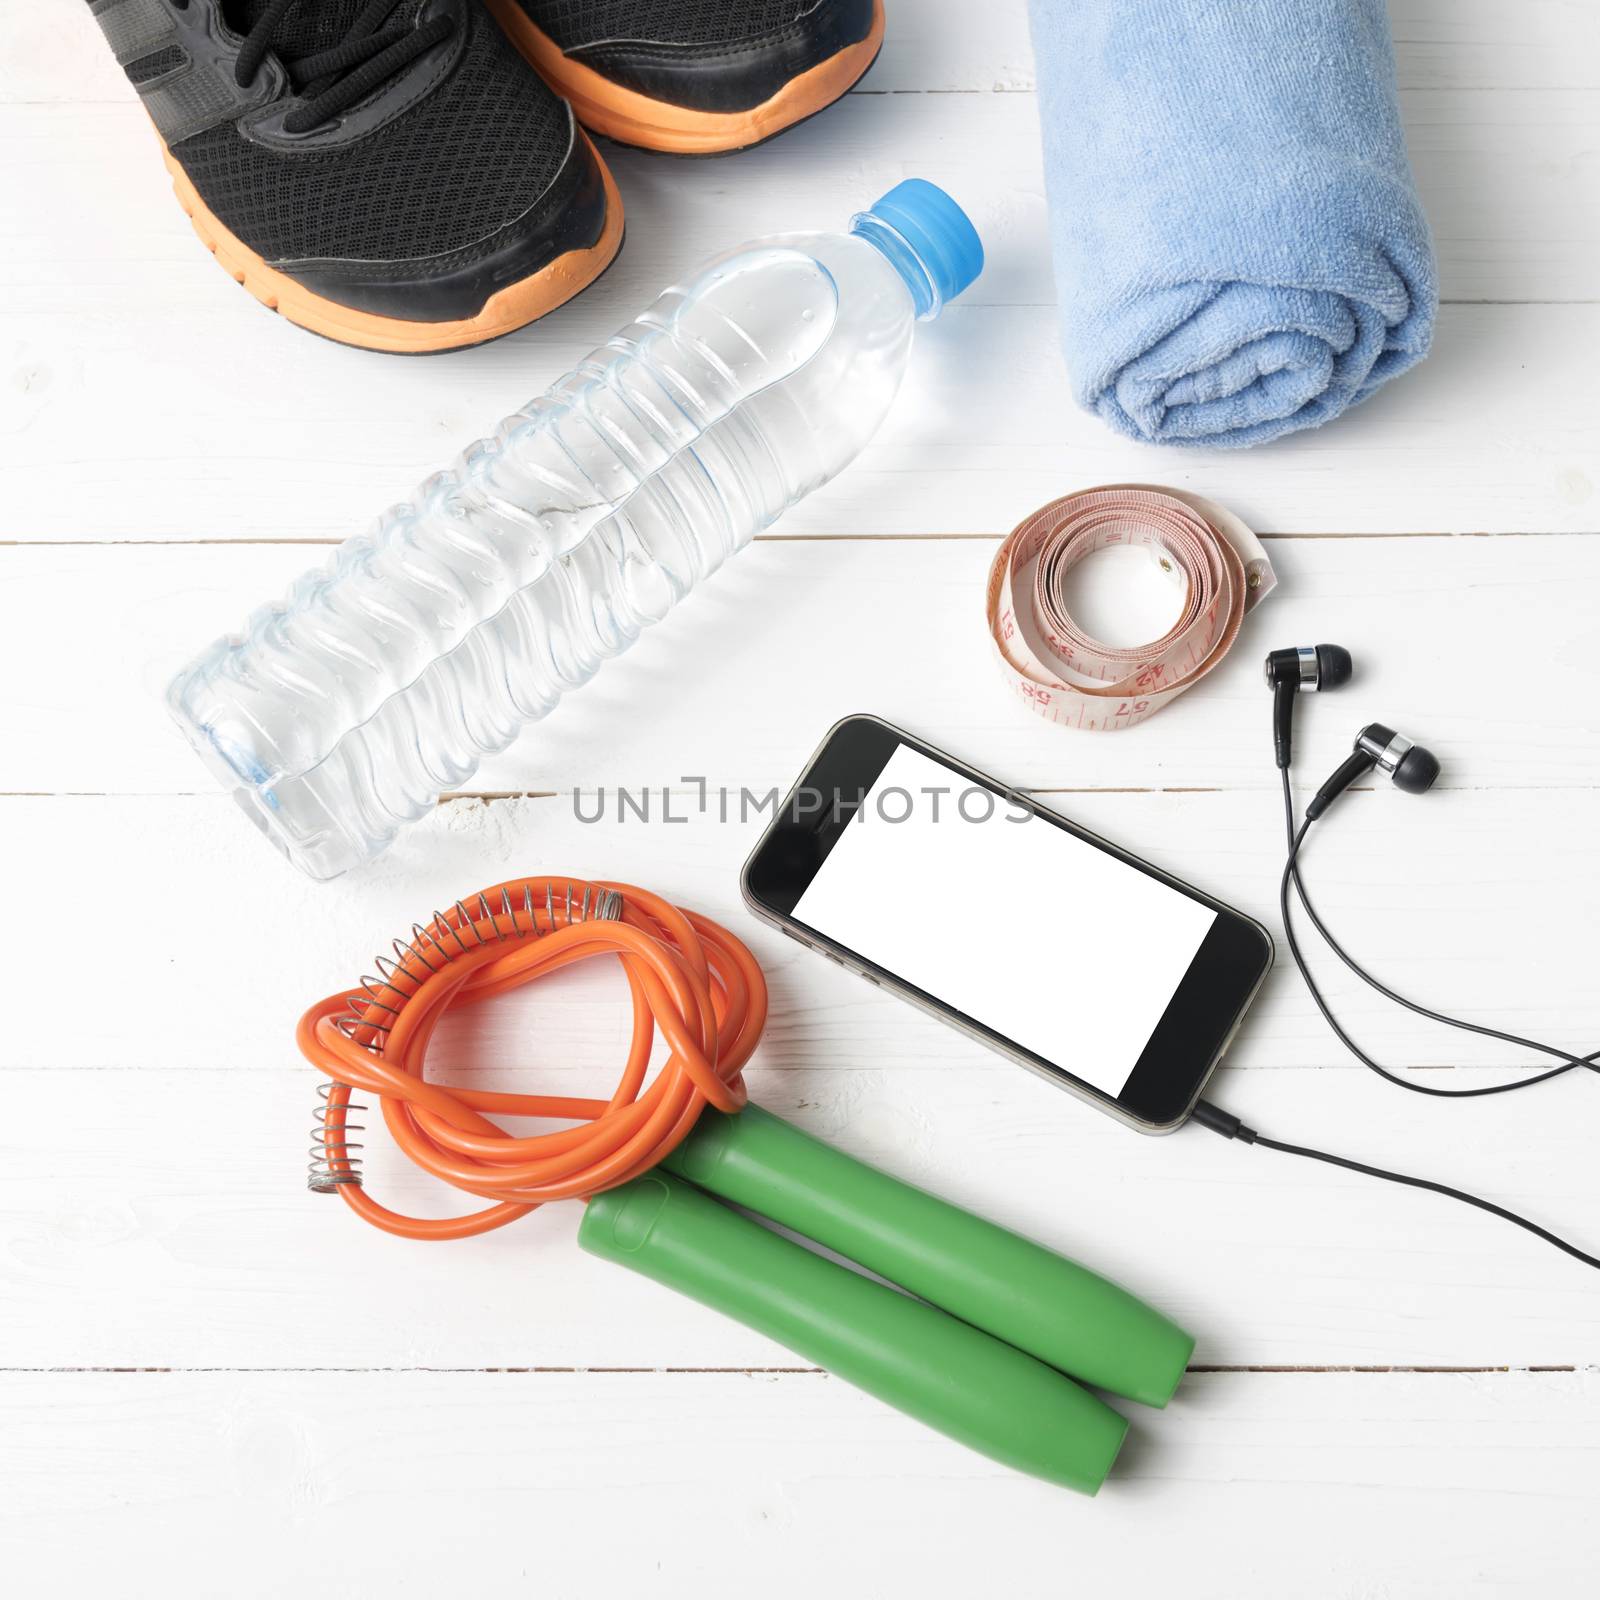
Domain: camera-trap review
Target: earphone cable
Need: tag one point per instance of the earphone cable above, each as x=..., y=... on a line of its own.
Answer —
x=1292, y=878
x=1414, y=769
x=1230, y=1127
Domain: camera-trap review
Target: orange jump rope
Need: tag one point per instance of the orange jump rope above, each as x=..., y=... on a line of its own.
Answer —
x=980, y=1346
x=688, y=977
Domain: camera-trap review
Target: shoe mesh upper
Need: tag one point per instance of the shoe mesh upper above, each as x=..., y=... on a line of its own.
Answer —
x=470, y=157
x=155, y=64
x=573, y=23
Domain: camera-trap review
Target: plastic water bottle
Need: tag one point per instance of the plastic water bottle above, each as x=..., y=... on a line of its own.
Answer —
x=343, y=711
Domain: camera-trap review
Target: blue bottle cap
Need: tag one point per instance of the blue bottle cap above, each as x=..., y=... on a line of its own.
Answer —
x=938, y=230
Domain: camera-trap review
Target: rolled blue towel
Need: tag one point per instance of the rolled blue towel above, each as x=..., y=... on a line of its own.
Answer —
x=1238, y=243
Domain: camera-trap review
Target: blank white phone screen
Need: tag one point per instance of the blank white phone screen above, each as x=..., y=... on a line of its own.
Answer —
x=1045, y=940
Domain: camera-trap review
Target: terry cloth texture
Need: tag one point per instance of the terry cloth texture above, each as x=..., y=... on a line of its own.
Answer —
x=1239, y=248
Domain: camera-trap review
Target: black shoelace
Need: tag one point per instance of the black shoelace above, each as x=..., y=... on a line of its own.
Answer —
x=327, y=81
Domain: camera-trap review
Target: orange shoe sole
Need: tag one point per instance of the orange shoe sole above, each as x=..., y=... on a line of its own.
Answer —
x=505, y=310
x=637, y=119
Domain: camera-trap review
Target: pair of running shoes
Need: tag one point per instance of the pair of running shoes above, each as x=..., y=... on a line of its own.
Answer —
x=417, y=175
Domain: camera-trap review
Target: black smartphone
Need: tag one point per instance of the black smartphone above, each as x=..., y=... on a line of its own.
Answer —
x=1069, y=956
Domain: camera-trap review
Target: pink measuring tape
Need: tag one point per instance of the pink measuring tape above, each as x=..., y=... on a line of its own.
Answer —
x=1076, y=680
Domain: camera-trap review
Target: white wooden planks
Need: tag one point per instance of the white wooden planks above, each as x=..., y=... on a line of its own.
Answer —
x=572, y=1486
x=151, y=1154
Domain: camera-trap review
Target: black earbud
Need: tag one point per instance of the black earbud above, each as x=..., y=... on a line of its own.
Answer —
x=1410, y=766
x=1292, y=672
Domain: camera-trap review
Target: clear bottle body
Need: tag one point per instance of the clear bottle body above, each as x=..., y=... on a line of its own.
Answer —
x=342, y=711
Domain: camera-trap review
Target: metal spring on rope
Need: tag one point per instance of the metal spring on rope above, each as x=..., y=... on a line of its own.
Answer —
x=332, y=1161
x=377, y=1004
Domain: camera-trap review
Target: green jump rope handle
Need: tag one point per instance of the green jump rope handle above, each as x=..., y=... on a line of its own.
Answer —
x=914, y=1356
x=1069, y=1317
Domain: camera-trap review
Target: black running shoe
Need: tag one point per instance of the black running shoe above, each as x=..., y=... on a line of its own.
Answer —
x=385, y=172
x=695, y=76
